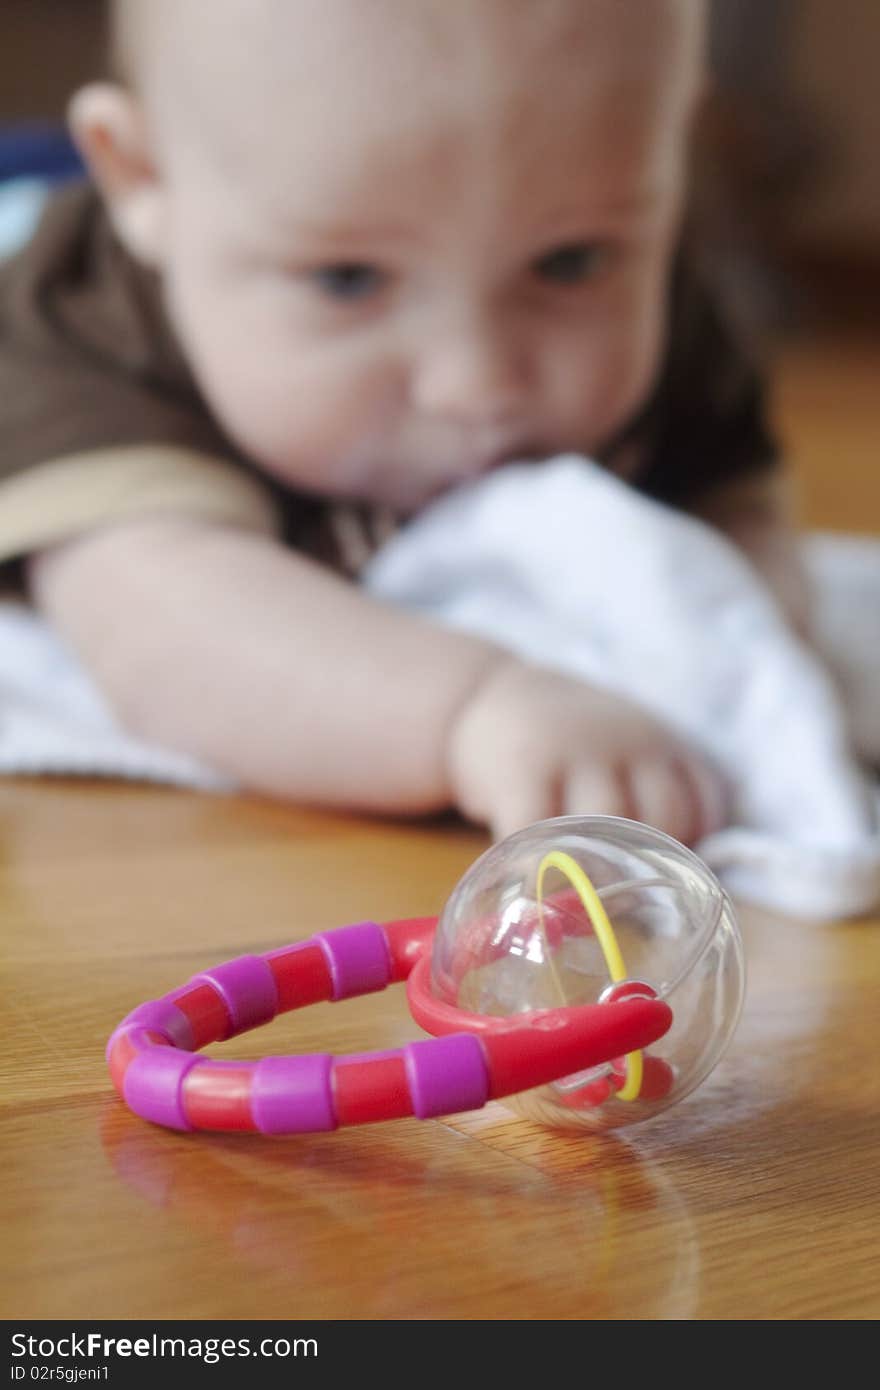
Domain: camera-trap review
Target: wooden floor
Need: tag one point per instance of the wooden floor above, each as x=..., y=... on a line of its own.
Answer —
x=756, y=1198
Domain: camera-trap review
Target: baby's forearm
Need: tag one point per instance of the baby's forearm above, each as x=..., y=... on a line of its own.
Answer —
x=224, y=645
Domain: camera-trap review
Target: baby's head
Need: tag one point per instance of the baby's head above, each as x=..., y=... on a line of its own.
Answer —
x=403, y=241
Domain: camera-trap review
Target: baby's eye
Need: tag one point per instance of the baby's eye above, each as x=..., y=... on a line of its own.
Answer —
x=569, y=265
x=348, y=280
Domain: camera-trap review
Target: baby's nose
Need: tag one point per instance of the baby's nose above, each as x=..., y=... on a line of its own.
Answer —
x=472, y=375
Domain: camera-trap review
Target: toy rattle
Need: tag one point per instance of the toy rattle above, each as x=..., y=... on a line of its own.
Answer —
x=589, y=969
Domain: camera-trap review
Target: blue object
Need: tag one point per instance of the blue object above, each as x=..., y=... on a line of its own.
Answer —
x=38, y=151
x=21, y=204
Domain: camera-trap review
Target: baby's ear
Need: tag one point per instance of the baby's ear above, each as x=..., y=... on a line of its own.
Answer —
x=108, y=127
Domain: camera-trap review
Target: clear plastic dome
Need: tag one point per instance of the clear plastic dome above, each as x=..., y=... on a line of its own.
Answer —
x=522, y=931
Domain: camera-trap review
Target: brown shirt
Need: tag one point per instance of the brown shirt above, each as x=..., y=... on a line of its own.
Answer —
x=101, y=420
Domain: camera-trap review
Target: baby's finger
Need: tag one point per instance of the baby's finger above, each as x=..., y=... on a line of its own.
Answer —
x=664, y=797
x=711, y=797
x=522, y=801
x=597, y=789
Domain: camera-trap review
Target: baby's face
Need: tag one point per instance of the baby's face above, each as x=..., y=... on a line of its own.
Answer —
x=406, y=241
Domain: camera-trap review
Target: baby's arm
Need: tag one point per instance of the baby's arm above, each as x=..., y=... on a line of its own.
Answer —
x=223, y=644
x=258, y=661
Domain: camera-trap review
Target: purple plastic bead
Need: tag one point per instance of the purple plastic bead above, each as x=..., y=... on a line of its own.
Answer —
x=293, y=1095
x=359, y=959
x=247, y=987
x=159, y=1016
x=153, y=1081
x=446, y=1075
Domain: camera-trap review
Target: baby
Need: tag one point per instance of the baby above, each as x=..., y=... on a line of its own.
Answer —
x=343, y=257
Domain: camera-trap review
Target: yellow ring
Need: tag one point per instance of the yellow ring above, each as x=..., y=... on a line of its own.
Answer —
x=592, y=905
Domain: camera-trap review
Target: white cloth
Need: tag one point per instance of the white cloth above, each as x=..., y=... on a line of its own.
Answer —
x=54, y=720
x=569, y=567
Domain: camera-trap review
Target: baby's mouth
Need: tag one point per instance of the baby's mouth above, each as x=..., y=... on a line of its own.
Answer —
x=492, y=455
x=482, y=463
x=523, y=451
x=467, y=467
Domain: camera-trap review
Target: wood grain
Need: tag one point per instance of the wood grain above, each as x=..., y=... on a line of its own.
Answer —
x=758, y=1197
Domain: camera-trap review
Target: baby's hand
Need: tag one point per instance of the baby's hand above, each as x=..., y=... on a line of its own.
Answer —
x=531, y=744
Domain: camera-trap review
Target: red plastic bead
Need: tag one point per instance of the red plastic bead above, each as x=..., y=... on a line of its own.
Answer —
x=371, y=1090
x=302, y=976
x=218, y=1096
x=207, y=1013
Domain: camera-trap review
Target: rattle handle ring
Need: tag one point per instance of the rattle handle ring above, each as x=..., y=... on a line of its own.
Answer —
x=155, y=1066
